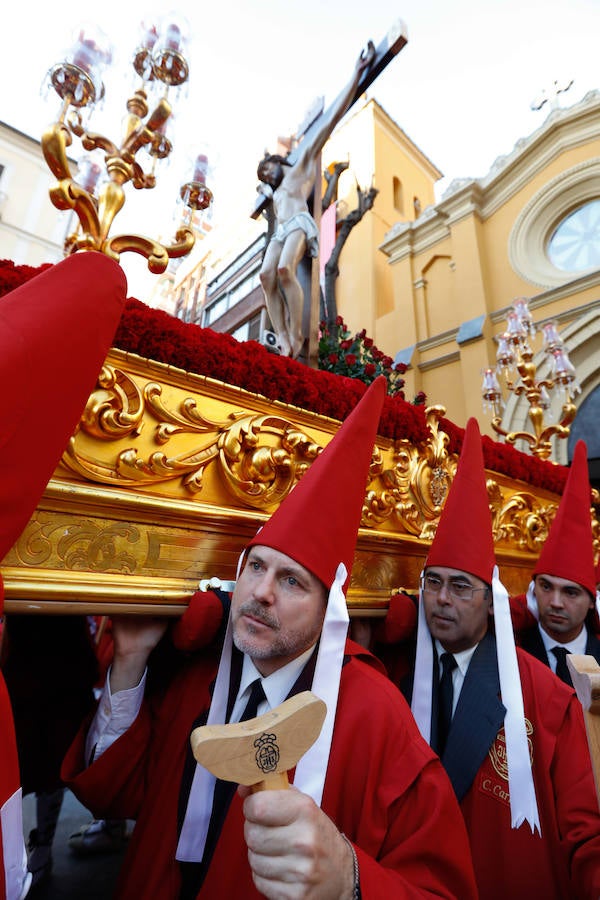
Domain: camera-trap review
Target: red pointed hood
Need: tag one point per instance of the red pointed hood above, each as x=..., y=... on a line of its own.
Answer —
x=464, y=539
x=568, y=551
x=317, y=523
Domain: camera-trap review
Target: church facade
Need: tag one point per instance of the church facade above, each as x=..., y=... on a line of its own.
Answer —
x=530, y=228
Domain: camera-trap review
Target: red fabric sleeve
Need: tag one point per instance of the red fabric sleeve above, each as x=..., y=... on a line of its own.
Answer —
x=200, y=623
x=400, y=623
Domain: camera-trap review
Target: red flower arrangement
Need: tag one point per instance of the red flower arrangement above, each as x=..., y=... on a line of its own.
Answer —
x=11, y=276
x=506, y=459
x=157, y=335
x=154, y=334
x=357, y=357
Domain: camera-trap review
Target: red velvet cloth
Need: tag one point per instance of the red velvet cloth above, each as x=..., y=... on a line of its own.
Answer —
x=55, y=332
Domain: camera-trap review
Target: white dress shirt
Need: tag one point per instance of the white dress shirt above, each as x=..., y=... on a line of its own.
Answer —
x=117, y=712
x=577, y=645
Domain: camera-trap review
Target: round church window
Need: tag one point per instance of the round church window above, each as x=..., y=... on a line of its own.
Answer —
x=575, y=244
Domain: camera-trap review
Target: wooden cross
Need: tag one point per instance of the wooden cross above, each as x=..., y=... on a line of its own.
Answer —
x=308, y=272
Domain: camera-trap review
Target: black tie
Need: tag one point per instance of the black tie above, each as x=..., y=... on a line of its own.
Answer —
x=446, y=696
x=224, y=790
x=562, y=669
x=257, y=695
x=193, y=873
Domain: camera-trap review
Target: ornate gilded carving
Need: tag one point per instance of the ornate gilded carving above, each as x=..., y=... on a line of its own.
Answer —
x=79, y=545
x=520, y=521
x=414, y=489
x=259, y=457
x=115, y=409
x=177, y=471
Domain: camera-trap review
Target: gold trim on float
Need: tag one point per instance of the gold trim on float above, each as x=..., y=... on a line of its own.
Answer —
x=169, y=475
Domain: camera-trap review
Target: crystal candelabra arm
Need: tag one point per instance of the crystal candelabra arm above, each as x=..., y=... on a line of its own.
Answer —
x=144, y=133
x=540, y=449
x=546, y=383
x=140, y=179
x=153, y=251
x=157, y=255
x=496, y=424
x=184, y=241
x=78, y=82
x=67, y=194
x=539, y=441
x=568, y=413
x=55, y=141
x=98, y=142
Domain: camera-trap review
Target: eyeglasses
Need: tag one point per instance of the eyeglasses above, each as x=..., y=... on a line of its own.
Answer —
x=456, y=588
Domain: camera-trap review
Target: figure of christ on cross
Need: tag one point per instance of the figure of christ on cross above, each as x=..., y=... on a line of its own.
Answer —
x=290, y=185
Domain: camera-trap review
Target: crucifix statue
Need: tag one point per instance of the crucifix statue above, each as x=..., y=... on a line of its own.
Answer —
x=287, y=183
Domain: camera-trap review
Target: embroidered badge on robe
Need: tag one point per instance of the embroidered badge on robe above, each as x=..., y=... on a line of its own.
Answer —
x=494, y=780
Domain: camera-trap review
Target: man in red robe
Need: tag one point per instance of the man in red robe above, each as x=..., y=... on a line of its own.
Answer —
x=561, y=599
x=371, y=814
x=510, y=735
x=55, y=332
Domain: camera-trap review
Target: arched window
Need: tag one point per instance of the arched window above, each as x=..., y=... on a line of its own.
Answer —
x=398, y=198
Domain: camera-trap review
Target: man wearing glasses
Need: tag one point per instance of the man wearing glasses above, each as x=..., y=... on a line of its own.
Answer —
x=510, y=735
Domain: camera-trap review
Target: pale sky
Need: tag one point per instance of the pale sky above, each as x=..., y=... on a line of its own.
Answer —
x=461, y=88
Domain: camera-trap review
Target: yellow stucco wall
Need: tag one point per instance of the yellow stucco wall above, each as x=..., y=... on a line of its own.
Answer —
x=482, y=246
x=373, y=143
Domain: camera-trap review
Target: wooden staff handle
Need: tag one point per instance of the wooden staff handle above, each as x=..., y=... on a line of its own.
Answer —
x=261, y=751
x=585, y=675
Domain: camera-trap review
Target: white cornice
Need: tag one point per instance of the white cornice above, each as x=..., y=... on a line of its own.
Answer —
x=414, y=237
x=564, y=129
x=436, y=340
x=440, y=361
x=541, y=300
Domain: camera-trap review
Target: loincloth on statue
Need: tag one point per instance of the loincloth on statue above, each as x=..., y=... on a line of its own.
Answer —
x=302, y=221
